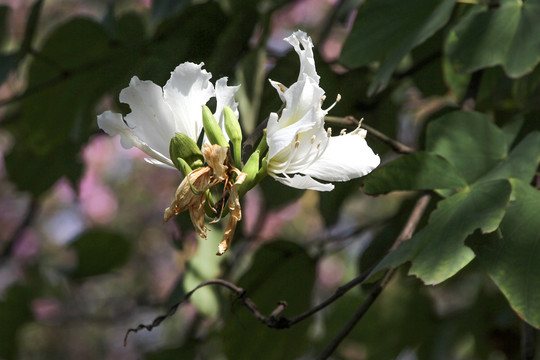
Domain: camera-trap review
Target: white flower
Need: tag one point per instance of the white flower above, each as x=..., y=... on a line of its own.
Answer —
x=299, y=149
x=158, y=114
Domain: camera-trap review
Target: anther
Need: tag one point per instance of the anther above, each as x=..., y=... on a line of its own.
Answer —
x=313, y=139
x=343, y=132
x=296, y=144
x=329, y=132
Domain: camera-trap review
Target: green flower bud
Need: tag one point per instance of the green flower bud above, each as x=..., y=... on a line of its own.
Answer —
x=251, y=169
x=183, y=147
x=212, y=129
x=232, y=127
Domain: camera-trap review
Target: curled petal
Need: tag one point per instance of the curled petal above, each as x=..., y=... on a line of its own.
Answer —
x=190, y=194
x=236, y=215
x=346, y=157
x=216, y=157
x=304, y=48
x=188, y=89
x=304, y=182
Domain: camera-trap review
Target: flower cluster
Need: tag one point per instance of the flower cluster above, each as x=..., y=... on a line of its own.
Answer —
x=166, y=124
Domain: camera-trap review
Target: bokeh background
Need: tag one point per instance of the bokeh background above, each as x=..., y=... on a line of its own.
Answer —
x=85, y=255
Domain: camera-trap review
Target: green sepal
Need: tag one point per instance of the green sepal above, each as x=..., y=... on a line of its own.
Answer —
x=183, y=166
x=263, y=145
x=209, y=205
x=263, y=171
x=212, y=129
x=251, y=169
x=232, y=127
x=183, y=147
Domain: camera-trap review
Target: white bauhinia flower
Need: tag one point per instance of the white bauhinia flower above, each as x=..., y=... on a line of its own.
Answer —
x=299, y=149
x=157, y=114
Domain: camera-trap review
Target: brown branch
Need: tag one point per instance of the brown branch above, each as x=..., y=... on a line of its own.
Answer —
x=240, y=294
x=350, y=121
x=405, y=234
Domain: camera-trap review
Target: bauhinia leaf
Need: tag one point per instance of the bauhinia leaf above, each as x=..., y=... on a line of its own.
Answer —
x=513, y=260
x=437, y=251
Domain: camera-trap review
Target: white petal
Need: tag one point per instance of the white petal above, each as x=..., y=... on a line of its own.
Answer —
x=302, y=113
x=151, y=119
x=346, y=157
x=225, y=97
x=304, y=48
x=188, y=89
x=280, y=88
x=279, y=138
x=304, y=182
x=113, y=124
x=159, y=164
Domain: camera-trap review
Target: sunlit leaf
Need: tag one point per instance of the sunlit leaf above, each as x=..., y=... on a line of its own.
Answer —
x=469, y=141
x=509, y=37
x=512, y=259
x=418, y=171
x=521, y=163
x=201, y=267
x=437, y=251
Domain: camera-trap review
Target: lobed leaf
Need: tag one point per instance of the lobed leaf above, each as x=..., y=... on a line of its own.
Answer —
x=512, y=259
x=437, y=251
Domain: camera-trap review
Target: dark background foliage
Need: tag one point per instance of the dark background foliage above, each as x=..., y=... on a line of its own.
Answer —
x=451, y=90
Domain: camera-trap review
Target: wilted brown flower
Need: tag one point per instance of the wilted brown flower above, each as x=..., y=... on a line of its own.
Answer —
x=191, y=193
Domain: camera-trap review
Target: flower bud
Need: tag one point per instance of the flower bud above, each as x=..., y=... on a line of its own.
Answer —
x=251, y=169
x=232, y=127
x=183, y=147
x=212, y=129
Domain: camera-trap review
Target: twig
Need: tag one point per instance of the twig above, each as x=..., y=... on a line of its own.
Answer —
x=405, y=234
x=350, y=121
x=240, y=294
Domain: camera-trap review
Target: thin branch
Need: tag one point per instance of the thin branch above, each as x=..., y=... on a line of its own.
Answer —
x=240, y=294
x=406, y=233
x=350, y=121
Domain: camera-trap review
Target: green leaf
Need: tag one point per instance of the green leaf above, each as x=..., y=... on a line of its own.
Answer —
x=437, y=251
x=471, y=142
x=521, y=163
x=14, y=313
x=509, y=37
x=512, y=260
x=381, y=32
x=98, y=252
x=281, y=270
x=36, y=172
x=418, y=171
x=201, y=267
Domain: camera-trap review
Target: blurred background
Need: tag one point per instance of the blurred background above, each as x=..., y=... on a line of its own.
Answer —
x=85, y=255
